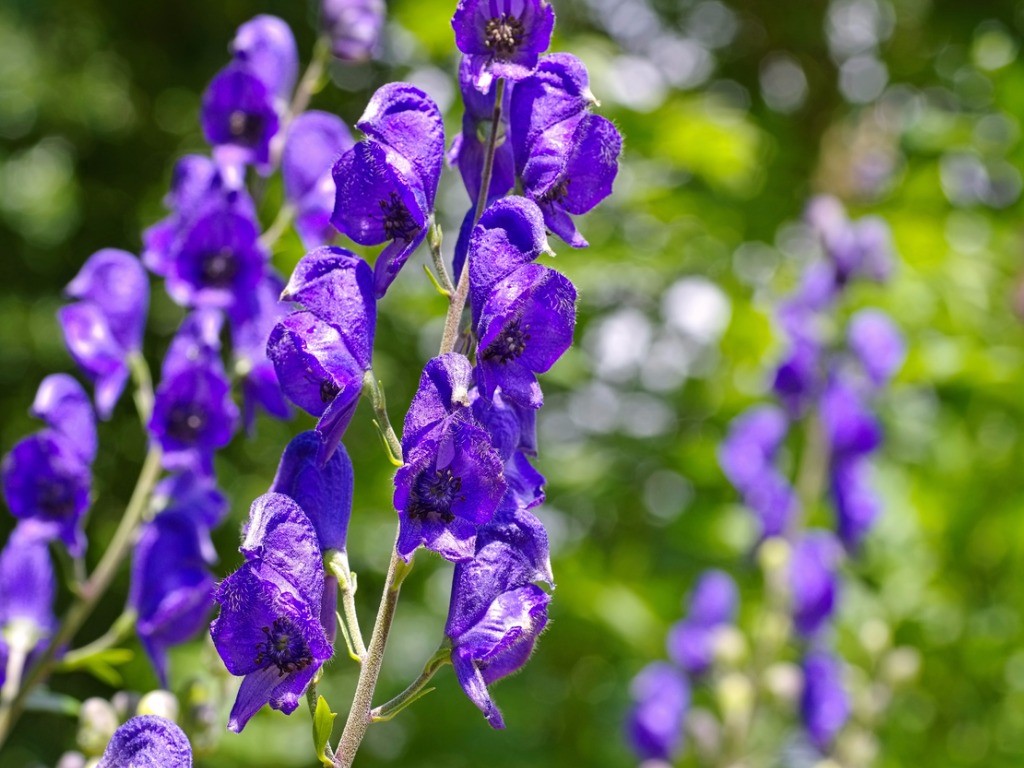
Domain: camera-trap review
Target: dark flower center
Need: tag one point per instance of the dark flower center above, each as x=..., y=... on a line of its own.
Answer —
x=510, y=344
x=55, y=498
x=398, y=222
x=186, y=422
x=285, y=648
x=433, y=493
x=556, y=193
x=503, y=36
x=218, y=268
x=328, y=390
x=246, y=128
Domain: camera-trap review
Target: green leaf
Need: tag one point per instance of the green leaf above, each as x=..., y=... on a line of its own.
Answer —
x=323, y=724
x=45, y=700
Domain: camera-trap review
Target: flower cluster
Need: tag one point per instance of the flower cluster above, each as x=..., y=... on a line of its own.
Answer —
x=827, y=382
x=661, y=690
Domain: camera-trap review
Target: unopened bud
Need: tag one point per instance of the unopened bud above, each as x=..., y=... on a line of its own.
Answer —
x=71, y=760
x=730, y=646
x=875, y=636
x=735, y=696
x=773, y=555
x=124, y=703
x=97, y=721
x=162, y=703
x=783, y=681
x=705, y=731
x=901, y=665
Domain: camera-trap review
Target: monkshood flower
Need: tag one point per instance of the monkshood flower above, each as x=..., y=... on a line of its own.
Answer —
x=104, y=327
x=526, y=324
x=512, y=430
x=27, y=589
x=313, y=142
x=148, y=741
x=321, y=353
x=502, y=38
x=861, y=248
x=198, y=187
x=252, y=319
x=654, y=726
x=171, y=586
x=47, y=476
x=217, y=262
x=877, y=344
x=849, y=424
x=824, y=704
x=354, y=27
x=566, y=157
x=386, y=183
x=325, y=495
x=712, y=605
x=239, y=117
x=797, y=380
x=496, y=612
x=813, y=580
x=265, y=46
x=196, y=496
x=452, y=479
x=469, y=148
x=857, y=503
x=269, y=627
x=193, y=412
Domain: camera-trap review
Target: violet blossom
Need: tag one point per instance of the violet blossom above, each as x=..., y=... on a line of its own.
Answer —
x=148, y=741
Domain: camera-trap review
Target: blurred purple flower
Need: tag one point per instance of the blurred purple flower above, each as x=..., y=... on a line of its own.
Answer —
x=824, y=704
x=654, y=725
x=354, y=27
x=265, y=46
x=148, y=741
x=239, y=118
x=877, y=343
x=813, y=580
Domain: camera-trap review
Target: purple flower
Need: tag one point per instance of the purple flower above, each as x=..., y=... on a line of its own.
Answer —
x=321, y=353
x=661, y=697
x=313, y=142
x=193, y=413
x=196, y=496
x=824, y=704
x=496, y=613
x=218, y=262
x=238, y=116
x=877, y=344
x=386, y=183
x=502, y=38
x=171, y=586
x=748, y=451
x=63, y=405
x=252, y=320
x=354, y=27
x=813, y=580
x=265, y=46
x=850, y=427
x=856, y=500
x=105, y=326
x=526, y=324
x=269, y=628
x=452, y=481
x=856, y=249
x=712, y=604
x=469, y=148
x=27, y=589
x=148, y=741
x=198, y=186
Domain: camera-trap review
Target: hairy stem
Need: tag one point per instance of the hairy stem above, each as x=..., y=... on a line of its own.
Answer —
x=458, y=299
x=415, y=691
x=373, y=389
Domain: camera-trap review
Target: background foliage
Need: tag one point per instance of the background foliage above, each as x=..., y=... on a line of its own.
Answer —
x=734, y=113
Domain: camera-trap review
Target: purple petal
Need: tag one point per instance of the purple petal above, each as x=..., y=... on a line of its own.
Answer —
x=714, y=599
x=280, y=535
x=63, y=405
x=238, y=112
x=315, y=140
x=443, y=391
x=813, y=581
x=655, y=723
x=115, y=281
x=266, y=47
x=148, y=741
x=877, y=343
x=91, y=342
x=824, y=704
x=27, y=582
x=354, y=27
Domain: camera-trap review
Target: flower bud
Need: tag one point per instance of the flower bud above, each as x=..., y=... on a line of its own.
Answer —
x=875, y=636
x=901, y=665
x=735, y=696
x=162, y=703
x=71, y=760
x=783, y=680
x=730, y=646
x=97, y=721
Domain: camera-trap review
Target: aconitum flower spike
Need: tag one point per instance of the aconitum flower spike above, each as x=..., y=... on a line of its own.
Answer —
x=313, y=142
x=526, y=324
x=171, y=586
x=877, y=343
x=813, y=580
x=354, y=27
x=27, y=590
x=148, y=741
x=824, y=703
x=502, y=38
x=661, y=697
x=265, y=46
x=269, y=628
x=238, y=117
x=104, y=327
x=63, y=405
x=218, y=262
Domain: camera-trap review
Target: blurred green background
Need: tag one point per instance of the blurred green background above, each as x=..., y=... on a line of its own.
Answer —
x=734, y=113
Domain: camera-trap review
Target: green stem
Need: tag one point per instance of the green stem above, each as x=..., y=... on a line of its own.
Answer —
x=92, y=590
x=373, y=389
x=434, y=239
x=415, y=691
x=119, y=630
x=143, y=387
x=337, y=565
x=278, y=227
x=458, y=299
x=359, y=716
x=310, y=82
